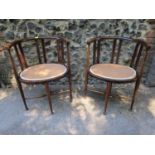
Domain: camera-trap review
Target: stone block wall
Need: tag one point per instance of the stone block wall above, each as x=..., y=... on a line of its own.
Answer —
x=76, y=30
x=150, y=38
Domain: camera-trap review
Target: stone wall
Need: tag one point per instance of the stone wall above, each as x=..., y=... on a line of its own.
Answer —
x=77, y=31
x=150, y=38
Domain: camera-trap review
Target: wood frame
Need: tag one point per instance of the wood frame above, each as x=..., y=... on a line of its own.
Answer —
x=140, y=45
x=61, y=43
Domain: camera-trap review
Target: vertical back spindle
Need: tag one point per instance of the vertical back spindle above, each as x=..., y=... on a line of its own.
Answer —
x=113, y=51
x=134, y=55
x=19, y=57
x=94, y=52
x=58, y=51
x=98, y=51
x=62, y=51
x=118, y=52
x=38, y=50
x=13, y=64
x=68, y=54
x=44, y=50
x=23, y=59
x=138, y=56
x=87, y=55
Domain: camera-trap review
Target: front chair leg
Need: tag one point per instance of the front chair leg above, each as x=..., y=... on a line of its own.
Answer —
x=22, y=94
x=134, y=93
x=107, y=93
x=70, y=85
x=49, y=96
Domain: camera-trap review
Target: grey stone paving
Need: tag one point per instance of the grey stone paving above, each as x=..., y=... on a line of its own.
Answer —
x=82, y=116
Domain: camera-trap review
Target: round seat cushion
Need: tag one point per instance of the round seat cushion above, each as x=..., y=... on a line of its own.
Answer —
x=43, y=72
x=113, y=72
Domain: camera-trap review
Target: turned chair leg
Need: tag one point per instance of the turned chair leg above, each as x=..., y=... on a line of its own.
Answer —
x=49, y=96
x=86, y=83
x=70, y=85
x=22, y=94
x=107, y=93
x=134, y=93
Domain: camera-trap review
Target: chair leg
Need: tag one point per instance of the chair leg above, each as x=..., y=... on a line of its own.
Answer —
x=22, y=94
x=108, y=90
x=86, y=83
x=134, y=93
x=70, y=85
x=49, y=96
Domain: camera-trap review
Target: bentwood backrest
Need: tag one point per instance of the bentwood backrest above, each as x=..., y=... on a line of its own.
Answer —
x=39, y=50
x=131, y=52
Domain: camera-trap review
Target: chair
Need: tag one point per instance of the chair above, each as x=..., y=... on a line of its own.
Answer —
x=115, y=71
x=40, y=70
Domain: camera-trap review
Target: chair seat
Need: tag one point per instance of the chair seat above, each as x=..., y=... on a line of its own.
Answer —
x=113, y=72
x=43, y=72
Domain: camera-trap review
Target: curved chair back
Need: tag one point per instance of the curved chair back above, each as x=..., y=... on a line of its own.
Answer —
x=31, y=51
x=117, y=47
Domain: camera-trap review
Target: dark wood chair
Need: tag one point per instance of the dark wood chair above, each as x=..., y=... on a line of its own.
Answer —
x=115, y=71
x=40, y=70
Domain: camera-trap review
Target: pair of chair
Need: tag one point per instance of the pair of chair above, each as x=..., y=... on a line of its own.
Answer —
x=44, y=71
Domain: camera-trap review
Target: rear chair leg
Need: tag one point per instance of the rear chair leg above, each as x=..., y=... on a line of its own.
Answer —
x=70, y=85
x=107, y=93
x=49, y=96
x=86, y=83
x=134, y=93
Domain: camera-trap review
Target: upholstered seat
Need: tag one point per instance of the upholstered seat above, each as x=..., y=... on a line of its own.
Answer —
x=43, y=72
x=113, y=72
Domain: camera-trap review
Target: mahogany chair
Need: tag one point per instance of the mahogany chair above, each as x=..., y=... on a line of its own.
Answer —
x=40, y=70
x=115, y=71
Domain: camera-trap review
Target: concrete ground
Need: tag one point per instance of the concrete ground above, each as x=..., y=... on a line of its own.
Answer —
x=82, y=116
